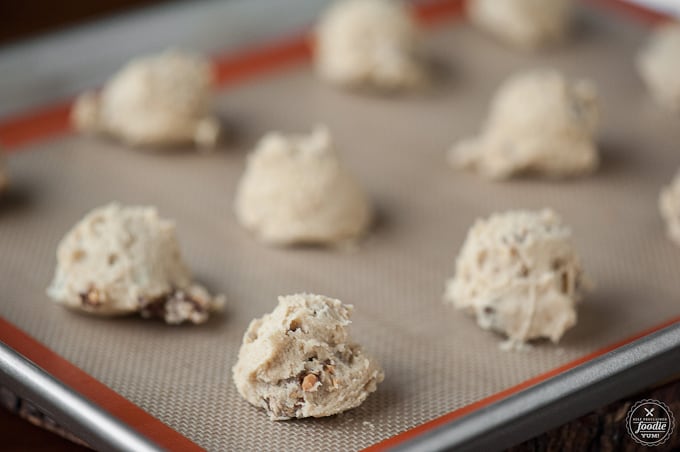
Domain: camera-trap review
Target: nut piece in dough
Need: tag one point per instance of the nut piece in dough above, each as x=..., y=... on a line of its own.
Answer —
x=526, y=24
x=659, y=66
x=161, y=101
x=669, y=204
x=296, y=191
x=120, y=260
x=369, y=43
x=540, y=123
x=518, y=274
x=299, y=362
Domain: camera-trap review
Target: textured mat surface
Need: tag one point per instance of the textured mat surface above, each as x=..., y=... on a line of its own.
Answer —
x=435, y=359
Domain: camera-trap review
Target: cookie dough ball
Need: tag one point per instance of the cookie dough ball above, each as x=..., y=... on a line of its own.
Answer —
x=659, y=66
x=669, y=204
x=518, y=274
x=369, y=43
x=299, y=361
x=296, y=191
x=121, y=260
x=527, y=24
x=540, y=123
x=155, y=101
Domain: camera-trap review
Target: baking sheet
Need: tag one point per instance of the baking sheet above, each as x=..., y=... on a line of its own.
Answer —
x=436, y=360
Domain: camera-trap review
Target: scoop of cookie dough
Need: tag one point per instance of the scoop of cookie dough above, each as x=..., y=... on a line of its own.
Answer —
x=121, y=260
x=540, y=123
x=659, y=66
x=295, y=190
x=518, y=274
x=669, y=205
x=154, y=101
x=369, y=43
x=299, y=361
x=526, y=24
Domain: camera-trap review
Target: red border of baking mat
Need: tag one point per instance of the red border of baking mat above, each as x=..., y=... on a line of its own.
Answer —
x=93, y=390
x=53, y=121
x=467, y=409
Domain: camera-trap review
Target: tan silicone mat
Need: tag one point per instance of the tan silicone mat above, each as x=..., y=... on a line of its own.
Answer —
x=436, y=360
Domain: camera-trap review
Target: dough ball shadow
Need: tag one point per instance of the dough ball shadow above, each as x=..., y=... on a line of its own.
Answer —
x=15, y=198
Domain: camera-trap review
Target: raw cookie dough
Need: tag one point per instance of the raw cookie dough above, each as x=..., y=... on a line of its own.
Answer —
x=669, y=204
x=659, y=66
x=295, y=190
x=120, y=260
x=154, y=101
x=369, y=43
x=299, y=362
x=540, y=123
x=519, y=275
x=526, y=24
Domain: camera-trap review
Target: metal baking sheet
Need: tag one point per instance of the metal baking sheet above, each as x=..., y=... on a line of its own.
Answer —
x=437, y=361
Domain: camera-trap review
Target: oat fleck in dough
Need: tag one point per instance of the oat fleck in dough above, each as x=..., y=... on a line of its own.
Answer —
x=369, y=43
x=659, y=66
x=518, y=274
x=525, y=24
x=541, y=124
x=295, y=190
x=156, y=101
x=669, y=204
x=121, y=260
x=299, y=362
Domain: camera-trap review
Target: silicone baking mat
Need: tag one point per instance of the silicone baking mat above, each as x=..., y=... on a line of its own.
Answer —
x=436, y=360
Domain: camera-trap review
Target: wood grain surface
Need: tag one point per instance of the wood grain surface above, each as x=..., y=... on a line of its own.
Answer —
x=19, y=435
x=31, y=17
x=605, y=430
